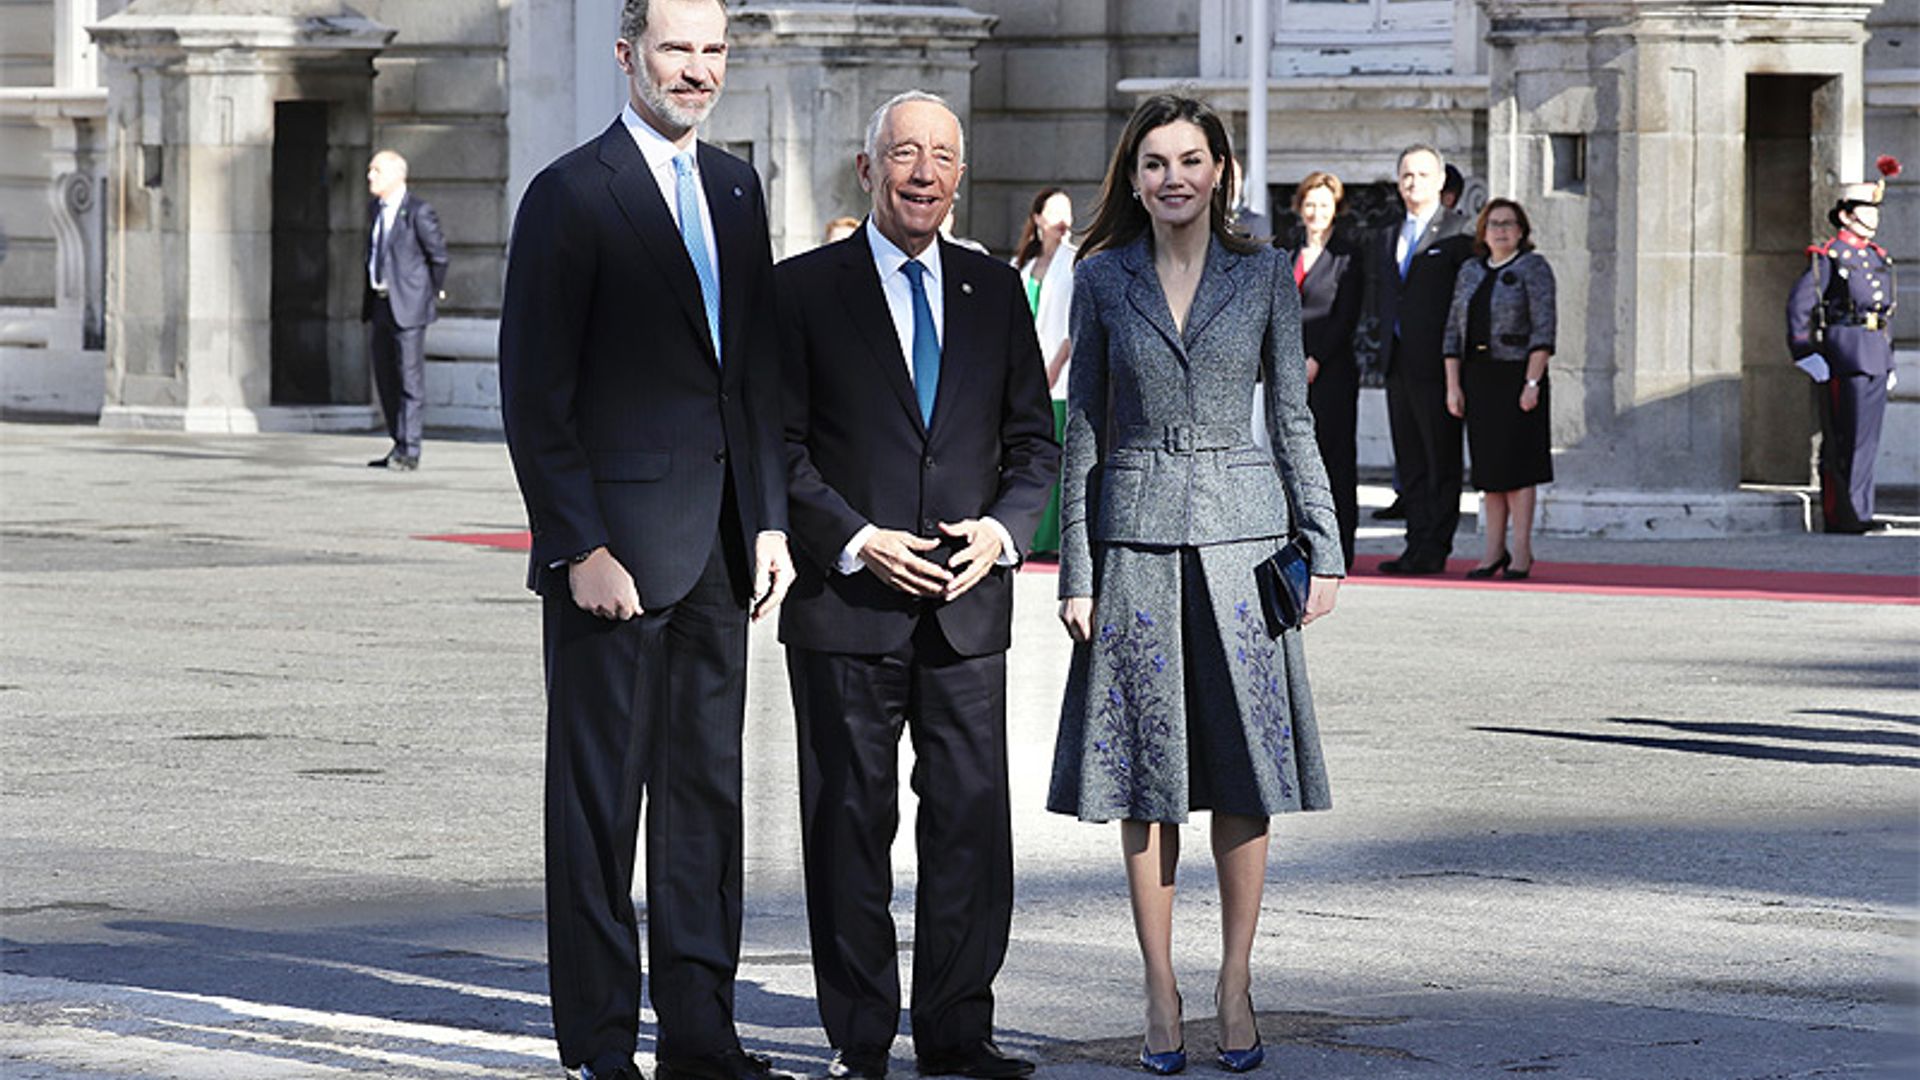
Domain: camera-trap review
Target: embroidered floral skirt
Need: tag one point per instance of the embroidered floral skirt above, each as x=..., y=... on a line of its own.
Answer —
x=1181, y=701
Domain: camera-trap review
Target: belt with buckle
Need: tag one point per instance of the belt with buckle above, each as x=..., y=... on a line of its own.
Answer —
x=1871, y=320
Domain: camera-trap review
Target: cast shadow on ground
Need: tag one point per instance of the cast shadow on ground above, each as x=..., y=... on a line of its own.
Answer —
x=1732, y=747
x=1863, y=714
x=374, y=971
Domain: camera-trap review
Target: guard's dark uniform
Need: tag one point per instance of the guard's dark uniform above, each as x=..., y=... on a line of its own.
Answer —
x=1842, y=308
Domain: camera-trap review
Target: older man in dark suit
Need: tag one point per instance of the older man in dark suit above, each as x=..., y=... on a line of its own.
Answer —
x=1414, y=267
x=406, y=273
x=639, y=385
x=919, y=446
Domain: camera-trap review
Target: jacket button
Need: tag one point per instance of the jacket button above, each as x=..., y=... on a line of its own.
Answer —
x=723, y=397
x=928, y=526
x=720, y=456
x=927, y=462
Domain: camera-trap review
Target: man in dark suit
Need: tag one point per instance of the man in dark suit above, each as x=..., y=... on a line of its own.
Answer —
x=1414, y=267
x=919, y=446
x=639, y=385
x=406, y=272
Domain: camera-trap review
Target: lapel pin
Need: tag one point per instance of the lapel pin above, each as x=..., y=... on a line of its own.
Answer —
x=737, y=193
x=967, y=287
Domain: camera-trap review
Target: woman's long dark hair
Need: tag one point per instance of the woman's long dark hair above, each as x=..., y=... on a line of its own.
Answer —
x=1028, y=249
x=1120, y=219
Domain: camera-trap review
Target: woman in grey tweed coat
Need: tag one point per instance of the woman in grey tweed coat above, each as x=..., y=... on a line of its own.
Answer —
x=1177, y=698
x=1499, y=341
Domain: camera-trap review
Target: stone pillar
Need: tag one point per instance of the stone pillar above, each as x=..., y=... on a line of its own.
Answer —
x=1622, y=128
x=192, y=92
x=805, y=77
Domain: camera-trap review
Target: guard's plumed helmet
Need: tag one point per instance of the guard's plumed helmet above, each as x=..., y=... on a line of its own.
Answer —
x=1865, y=194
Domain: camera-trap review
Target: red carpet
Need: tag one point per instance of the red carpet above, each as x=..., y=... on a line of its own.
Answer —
x=1604, y=579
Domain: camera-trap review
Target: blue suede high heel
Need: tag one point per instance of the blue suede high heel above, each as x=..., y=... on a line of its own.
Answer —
x=1167, y=1062
x=1247, y=1060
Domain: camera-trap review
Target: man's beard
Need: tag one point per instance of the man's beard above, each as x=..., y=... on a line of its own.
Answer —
x=662, y=103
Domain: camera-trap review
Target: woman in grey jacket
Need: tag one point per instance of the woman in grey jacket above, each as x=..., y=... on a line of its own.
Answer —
x=1177, y=698
x=1499, y=339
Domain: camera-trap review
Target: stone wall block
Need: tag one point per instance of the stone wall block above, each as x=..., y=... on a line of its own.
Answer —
x=460, y=85
x=439, y=22
x=469, y=213
x=474, y=279
x=453, y=150
x=225, y=185
x=1148, y=18
x=393, y=85
x=1064, y=77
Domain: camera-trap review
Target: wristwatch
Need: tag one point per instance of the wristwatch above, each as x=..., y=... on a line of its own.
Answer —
x=1534, y=383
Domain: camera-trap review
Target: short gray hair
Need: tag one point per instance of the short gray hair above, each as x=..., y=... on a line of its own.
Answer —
x=633, y=17
x=878, y=121
x=1420, y=148
x=393, y=156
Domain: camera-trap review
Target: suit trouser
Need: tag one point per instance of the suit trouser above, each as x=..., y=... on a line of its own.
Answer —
x=850, y=710
x=1852, y=407
x=1426, y=449
x=1334, y=398
x=400, y=375
x=657, y=702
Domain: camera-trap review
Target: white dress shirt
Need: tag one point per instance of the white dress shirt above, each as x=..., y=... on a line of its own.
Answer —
x=890, y=261
x=660, y=152
x=383, y=234
x=1411, y=230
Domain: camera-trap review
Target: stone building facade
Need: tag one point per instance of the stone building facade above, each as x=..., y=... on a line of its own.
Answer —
x=479, y=94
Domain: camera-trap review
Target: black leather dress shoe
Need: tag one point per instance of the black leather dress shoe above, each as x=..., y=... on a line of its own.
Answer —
x=858, y=1065
x=1407, y=565
x=983, y=1060
x=397, y=461
x=727, y=1065
x=1395, y=511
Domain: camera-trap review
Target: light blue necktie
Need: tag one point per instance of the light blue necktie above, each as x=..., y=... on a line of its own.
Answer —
x=926, y=343
x=695, y=237
x=1411, y=230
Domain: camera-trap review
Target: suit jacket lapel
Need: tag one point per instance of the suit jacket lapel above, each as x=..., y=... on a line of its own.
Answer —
x=640, y=202
x=733, y=239
x=867, y=308
x=1219, y=280
x=958, y=337
x=1144, y=293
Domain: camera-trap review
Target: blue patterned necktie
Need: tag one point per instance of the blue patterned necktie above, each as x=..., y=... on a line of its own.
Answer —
x=695, y=238
x=926, y=343
x=1411, y=230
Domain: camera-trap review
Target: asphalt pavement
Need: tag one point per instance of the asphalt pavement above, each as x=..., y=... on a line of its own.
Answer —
x=270, y=801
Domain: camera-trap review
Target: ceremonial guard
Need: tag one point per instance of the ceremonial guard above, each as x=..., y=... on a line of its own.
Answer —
x=1839, y=327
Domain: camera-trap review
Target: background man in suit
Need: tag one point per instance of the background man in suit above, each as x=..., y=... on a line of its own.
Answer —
x=640, y=393
x=1413, y=271
x=406, y=271
x=919, y=445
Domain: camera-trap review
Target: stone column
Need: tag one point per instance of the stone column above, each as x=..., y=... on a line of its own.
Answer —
x=1621, y=126
x=192, y=88
x=805, y=77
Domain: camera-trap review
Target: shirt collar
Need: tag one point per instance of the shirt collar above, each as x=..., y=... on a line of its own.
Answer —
x=398, y=196
x=888, y=257
x=1852, y=239
x=655, y=147
x=1420, y=220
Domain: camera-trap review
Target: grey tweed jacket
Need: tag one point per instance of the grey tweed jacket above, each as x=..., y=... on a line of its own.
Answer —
x=1522, y=303
x=1159, y=447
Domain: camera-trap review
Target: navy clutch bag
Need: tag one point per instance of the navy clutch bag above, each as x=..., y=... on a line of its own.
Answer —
x=1283, y=579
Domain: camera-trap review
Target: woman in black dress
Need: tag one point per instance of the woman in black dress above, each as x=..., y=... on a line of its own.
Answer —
x=1499, y=339
x=1326, y=267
